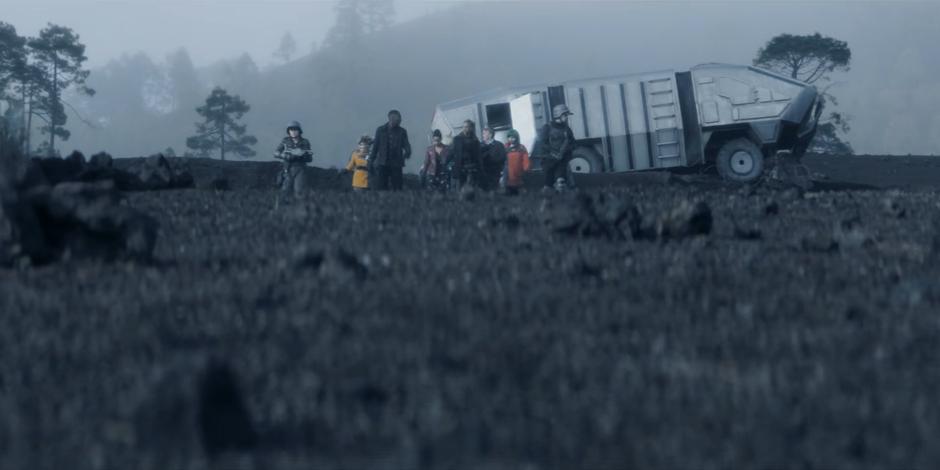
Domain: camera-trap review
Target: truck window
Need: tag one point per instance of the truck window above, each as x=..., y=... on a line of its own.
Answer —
x=498, y=116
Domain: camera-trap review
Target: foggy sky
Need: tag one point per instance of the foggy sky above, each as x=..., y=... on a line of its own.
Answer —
x=209, y=29
x=217, y=29
x=892, y=92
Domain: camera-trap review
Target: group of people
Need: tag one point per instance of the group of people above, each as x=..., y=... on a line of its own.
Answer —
x=483, y=163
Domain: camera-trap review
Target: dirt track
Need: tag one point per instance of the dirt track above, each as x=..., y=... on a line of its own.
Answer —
x=419, y=331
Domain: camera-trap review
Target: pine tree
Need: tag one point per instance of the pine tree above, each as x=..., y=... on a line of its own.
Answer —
x=355, y=18
x=287, y=48
x=811, y=58
x=220, y=129
x=12, y=56
x=58, y=57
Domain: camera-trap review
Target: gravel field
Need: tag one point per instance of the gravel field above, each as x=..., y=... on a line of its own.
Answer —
x=672, y=325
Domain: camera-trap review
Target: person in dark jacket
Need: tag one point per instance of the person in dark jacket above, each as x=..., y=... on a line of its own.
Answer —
x=466, y=159
x=493, y=154
x=554, y=145
x=390, y=149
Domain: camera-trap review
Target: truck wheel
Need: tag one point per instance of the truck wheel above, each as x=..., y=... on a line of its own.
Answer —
x=740, y=160
x=586, y=160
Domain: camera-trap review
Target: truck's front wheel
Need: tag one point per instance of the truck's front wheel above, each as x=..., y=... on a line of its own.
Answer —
x=740, y=160
x=586, y=160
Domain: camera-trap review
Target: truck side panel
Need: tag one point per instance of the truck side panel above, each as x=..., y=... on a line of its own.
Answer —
x=665, y=132
x=636, y=122
x=691, y=130
x=617, y=142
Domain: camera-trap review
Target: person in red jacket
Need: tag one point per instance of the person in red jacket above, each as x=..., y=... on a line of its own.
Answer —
x=517, y=163
x=434, y=171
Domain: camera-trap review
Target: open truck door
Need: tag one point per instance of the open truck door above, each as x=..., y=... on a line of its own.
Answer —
x=528, y=116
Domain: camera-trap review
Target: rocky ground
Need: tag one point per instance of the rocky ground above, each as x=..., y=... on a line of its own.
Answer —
x=670, y=323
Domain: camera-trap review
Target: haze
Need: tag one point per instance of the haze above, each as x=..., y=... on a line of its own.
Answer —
x=437, y=51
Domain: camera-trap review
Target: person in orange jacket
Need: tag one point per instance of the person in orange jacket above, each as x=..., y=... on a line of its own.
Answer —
x=358, y=164
x=517, y=163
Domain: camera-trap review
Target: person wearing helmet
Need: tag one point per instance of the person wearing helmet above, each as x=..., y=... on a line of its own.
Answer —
x=359, y=165
x=517, y=163
x=554, y=145
x=295, y=151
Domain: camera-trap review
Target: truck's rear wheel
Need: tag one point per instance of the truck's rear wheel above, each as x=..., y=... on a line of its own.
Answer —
x=586, y=160
x=740, y=160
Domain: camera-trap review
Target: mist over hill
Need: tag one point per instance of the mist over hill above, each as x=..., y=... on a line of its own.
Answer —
x=145, y=105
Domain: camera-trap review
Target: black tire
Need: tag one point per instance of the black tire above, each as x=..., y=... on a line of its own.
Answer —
x=740, y=160
x=586, y=160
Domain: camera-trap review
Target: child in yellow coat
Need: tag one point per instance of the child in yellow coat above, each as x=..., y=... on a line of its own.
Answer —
x=359, y=165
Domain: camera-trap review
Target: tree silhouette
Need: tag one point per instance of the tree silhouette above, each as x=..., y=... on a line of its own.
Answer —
x=187, y=88
x=58, y=57
x=12, y=56
x=812, y=58
x=16, y=80
x=808, y=58
x=355, y=18
x=287, y=48
x=220, y=128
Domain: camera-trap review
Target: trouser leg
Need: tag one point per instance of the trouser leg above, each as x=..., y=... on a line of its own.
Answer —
x=300, y=181
x=549, y=170
x=567, y=173
x=380, y=178
x=286, y=183
x=395, y=178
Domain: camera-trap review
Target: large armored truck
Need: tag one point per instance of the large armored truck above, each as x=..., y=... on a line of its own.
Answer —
x=730, y=116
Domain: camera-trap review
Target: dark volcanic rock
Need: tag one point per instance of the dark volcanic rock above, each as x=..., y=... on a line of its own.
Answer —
x=21, y=235
x=331, y=263
x=686, y=219
x=153, y=173
x=603, y=215
x=86, y=220
x=32, y=175
x=58, y=170
x=101, y=160
x=219, y=184
x=788, y=171
x=78, y=220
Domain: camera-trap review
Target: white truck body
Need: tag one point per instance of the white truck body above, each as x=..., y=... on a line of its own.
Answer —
x=652, y=120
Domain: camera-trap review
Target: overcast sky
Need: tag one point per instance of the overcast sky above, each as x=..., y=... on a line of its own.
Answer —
x=209, y=29
x=218, y=29
x=892, y=92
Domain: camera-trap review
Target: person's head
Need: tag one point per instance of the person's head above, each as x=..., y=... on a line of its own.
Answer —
x=364, y=143
x=294, y=130
x=512, y=137
x=436, y=137
x=469, y=128
x=487, y=134
x=560, y=113
x=394, y=118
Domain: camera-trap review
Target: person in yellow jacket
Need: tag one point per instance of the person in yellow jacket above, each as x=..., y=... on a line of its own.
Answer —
x=358, y=164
